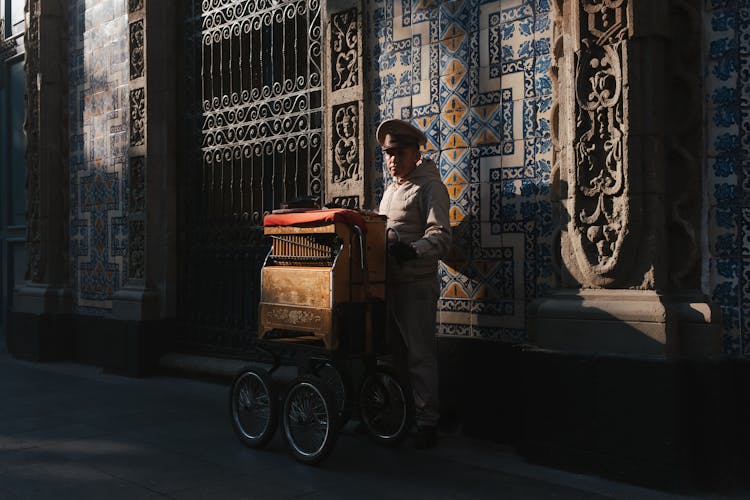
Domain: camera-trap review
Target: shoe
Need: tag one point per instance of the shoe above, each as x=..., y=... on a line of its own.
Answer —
x=425, y=437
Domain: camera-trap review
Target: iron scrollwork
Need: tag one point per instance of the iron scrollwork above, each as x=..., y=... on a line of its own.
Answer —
x=253, y=136
x=261, y=104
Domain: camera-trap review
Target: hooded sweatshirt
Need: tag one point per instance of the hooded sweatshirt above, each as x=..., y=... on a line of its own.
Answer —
x=417, y=208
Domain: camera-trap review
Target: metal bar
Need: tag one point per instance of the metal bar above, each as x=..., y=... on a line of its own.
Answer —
x=256, y=87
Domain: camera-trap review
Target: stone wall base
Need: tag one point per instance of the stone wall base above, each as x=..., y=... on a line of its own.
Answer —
x=129, y=348
x=677, y=425
x=630, y=322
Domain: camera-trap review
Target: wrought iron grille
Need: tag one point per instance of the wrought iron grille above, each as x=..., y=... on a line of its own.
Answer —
x=252, y=138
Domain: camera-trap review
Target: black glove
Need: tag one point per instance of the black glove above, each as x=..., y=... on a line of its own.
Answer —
x=402, y=252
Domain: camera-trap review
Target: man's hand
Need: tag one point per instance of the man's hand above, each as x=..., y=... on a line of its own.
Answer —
x=402, y=252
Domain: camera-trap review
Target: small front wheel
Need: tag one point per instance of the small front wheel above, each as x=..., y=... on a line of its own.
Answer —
x=386, y=407
x=308, y=419
x=253, y=407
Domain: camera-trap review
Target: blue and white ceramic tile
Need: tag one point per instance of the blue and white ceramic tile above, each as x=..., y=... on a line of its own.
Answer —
x=471, y=73
x=743, y=171
x=725, y=277
x=98, y=147
x=454, y=330
x=723, y=231
x=723, y=140
x=744, y=79
x=727, y=35
x=721, y=37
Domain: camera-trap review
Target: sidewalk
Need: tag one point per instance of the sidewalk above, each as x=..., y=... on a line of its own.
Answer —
x=69, y=431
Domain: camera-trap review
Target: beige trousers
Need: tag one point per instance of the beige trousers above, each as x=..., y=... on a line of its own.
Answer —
x=411, y=309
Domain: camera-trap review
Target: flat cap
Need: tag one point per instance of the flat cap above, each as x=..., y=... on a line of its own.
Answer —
x=398, y=133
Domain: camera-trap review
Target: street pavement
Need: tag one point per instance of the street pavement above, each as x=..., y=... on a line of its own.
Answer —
x=69, y=431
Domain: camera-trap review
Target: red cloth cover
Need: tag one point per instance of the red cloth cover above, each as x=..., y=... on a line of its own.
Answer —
x=351, y=217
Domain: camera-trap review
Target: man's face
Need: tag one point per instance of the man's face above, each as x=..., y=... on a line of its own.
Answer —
x=402, y=160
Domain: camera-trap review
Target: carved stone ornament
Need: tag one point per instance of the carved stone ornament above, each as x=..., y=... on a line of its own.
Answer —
x=604, y=21
x=137, y=249
x=344, y=45
x=137, y=184
x=137, y=117
x=136, y=49
x=350, y=202
x=135, y=5
x=600, y=203
x=346, y=142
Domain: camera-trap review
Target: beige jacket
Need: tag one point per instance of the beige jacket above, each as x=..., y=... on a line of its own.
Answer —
x=417, y=208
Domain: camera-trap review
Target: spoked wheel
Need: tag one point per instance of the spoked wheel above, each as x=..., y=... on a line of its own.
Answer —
x=334, y=377
x=253, y=406
x=386, y=407
x=309, y=419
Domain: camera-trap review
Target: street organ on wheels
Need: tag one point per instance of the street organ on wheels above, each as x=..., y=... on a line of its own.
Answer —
x=322, y=304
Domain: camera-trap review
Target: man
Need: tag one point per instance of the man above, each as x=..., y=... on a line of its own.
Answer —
x=416, y=203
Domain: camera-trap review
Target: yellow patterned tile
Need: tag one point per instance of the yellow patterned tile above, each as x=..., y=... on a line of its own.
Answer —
x=453, y=80
x=455, y=67
x=429, y=147
x=456, y=190
x=456, y=216
x=425, y=122
x=455, y=180
x=453, y=112
x=485, y=112
x=454, y=154
x=453, y=31
x=453, y=42
x=455, y=141
x=486, y=136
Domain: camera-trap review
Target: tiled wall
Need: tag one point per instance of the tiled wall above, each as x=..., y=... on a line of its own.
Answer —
x=727, y=33
x=98, y=149
x=473, y=74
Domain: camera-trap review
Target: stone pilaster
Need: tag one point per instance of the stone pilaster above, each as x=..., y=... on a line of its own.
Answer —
x=345, y=118
x=626, y=162
x=47, y=287
x=149, y=292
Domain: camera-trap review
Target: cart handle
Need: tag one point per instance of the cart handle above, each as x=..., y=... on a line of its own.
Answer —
x=362, y=249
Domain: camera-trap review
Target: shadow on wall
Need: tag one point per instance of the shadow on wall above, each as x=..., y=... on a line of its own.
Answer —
x=676, y=424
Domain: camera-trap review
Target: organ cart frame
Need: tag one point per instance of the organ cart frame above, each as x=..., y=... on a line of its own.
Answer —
x=322, y=299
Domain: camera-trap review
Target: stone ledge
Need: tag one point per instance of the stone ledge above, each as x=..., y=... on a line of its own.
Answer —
x=632, y=322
